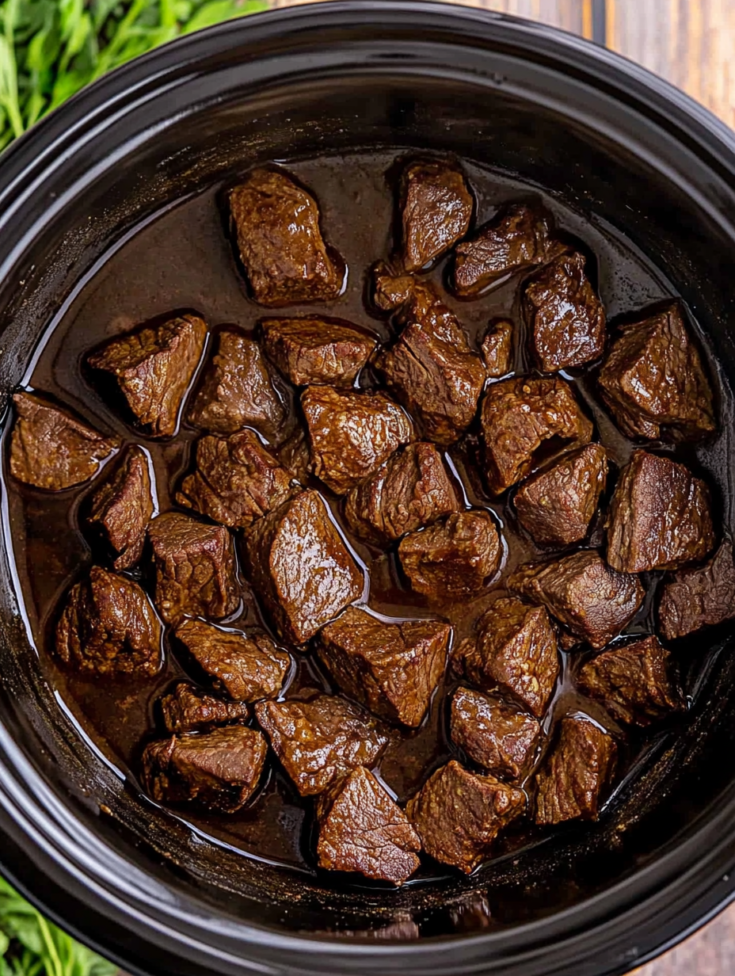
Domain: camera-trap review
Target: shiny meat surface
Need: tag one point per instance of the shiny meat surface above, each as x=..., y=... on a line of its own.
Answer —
x=122, y=507
x=495, y=733
x=699, y=597
x=436, y=209
x=318, y=351
x=187, y=709
x=497, y=348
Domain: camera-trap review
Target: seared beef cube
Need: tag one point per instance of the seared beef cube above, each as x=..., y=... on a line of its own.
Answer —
x=153, y=367
x=186, y=709
x=575, y=772
x=108, y=626
x=583, y=593
x=565, y=317
x=494, y=733
x=351, y=434
x=362, y=829
x=453, y=558
x=699, y=597
x=458, y=815
x=391, y=668
x=53, y=449
x=280, y=242
x=660, y=516
x=122, y=508
x=320, y=351
x=237, y=390
x=236, y=480
x=295, y=456
x=195, y=568
x=436, y=210
x=411, y=489
x=497, y=348
x=247, y=668
x=515, y=650
x=218, y=771
x=521, y=415
x=653, y=377
x=301, y=567
x=518, y=237
x=320, y=740
x=557, y=505
x=633, y=682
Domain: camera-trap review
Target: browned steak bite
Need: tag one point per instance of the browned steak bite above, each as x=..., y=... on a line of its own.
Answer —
x=565, y=317
x=195, y=568
x=392, y=668
x=236, y=390
x=362, y=829
x=108, y=626
x=351, y=434
x=497, y=348
x=430, y=368
x=634, y=682
x=515, y=650
x=294, y=455
x=556, y=506
x=153, y=367
x=458, y=815
x=519, y=236
x=248, y=668
x=521, y=415
x=316, y=350
x=51, y=448
x=122, y=508
x=653, y=377
x=411, y=489
x=660, y=516
x=280, y=241
x=699, y=597
x=436, y=210
x=187, y=709
x=320, y=740
x=453, y=558
x=593, y=601
x=218, y=770
x=301, y=568
x=575, y=772
x=494, y=733
x=236, y=480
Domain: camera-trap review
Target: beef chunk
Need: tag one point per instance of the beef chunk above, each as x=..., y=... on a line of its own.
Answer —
x=321, y=351
x=660, y=516
x=564, y=314
x=108, y=626
x=521, y=415
x=436, y=210
x=557, y=505
x=699, y=597
x=122, y=508
x=236, y=480
x=494, y=733
x=392, y=668
x=295, y=457
x=515, y=650
x=186, y=709
x=633, y=682
x=247, y=668
x=195, y=568
x=320, y=740
x=575, y=772
x=518, y=237
x=453, y=558
x=153, y=367
x=653, y=377
x=301, y=568
x=218, y=771
x=583, y=593
x=458, y=815
x=411, y=489
x=280, y=242
x=362, y=829
x=236, y=390
x=497, y=348
x=51, y=448
x=351, y=434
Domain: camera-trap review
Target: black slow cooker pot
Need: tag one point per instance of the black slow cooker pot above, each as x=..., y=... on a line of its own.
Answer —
x=632, y=155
